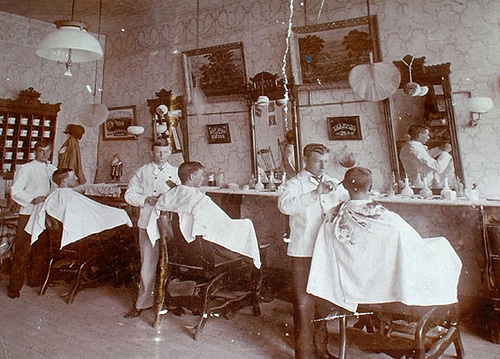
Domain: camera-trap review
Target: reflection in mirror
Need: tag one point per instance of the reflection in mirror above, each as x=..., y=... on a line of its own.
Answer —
x=421, y=126
x=169, y=121
x=274, y=129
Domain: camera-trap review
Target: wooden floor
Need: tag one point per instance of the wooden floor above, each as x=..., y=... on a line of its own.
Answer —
x=34, y=326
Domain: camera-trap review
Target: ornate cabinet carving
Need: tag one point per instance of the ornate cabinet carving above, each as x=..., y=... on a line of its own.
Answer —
x=23, y=122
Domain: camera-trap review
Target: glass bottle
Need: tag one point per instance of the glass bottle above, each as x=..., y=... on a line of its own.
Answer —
x=220, y=178
x=252, y=182
x=211, y=178
x=446, y=191
x=271, y=185
x=460, y=188
x=418, y=183
x=425, y=192
x=259, y=186
x=406, y=191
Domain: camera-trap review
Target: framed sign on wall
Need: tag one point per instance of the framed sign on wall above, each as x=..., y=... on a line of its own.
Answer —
x=119, y=119
x=218, y=133
x=344, y=128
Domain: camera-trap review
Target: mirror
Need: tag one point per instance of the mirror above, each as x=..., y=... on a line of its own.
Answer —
x=168, y=115
x=273, y=127
x=424, y=98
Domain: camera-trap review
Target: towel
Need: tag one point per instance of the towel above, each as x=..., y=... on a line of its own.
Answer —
x=369, y=254
x=79, y=215
x=199, y=215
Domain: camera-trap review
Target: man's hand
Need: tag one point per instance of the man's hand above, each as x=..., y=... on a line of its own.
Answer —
x=446, y=148
x=151, y=200
x=38, y=199
x=325, y=187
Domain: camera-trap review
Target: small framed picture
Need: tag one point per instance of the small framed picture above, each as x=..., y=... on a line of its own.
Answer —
x=119, y=119
x=218, y=133
x=344, y=128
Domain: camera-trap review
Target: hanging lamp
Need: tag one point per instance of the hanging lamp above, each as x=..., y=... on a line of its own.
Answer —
x=70, y=43
x=412, y=88
x=374, y=81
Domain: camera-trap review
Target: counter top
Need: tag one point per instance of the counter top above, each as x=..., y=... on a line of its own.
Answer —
x=248, y=192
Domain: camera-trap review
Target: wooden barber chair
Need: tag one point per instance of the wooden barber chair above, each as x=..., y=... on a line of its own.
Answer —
x=201, y=276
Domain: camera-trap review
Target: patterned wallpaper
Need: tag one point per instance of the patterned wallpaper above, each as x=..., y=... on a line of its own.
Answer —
x=142, y=61
x=20, y=68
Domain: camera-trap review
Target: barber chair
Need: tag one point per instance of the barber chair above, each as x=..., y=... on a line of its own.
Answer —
x=85, y=263
x=402, y=331
x=201, y=276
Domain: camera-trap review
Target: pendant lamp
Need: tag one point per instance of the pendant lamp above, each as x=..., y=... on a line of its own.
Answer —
x=374, y=81
x=70, y=43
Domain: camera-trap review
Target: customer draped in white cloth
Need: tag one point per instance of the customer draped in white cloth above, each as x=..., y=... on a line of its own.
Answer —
x=79, y=215
x=200, y=216
x=369, y=254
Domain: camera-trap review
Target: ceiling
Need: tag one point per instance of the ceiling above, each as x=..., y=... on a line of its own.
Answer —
x=116, y=14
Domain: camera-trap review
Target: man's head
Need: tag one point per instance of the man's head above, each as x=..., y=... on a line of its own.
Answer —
x=316, y=157
x=191, y=173
x=161, y=152
x=43, y=151
x=65, y=178
x=358, y=179
x=419, y=133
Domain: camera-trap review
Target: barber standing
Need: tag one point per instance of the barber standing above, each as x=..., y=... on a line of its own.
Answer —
x=306, y=198
x=31, y=185
x=144, y=188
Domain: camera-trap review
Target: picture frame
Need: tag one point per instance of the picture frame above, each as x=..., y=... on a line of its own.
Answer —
x=218, y=133
x=344, y=128
x=322, y=55
x=202, y=69
x=118, y=120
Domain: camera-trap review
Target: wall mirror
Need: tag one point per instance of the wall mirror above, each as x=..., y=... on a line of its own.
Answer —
x=168, y=114
x=430, y=104
x=274, y=130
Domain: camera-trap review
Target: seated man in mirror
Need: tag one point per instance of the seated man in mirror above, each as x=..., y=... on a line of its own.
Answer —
x=80, y=215
x=364, y=253
x=418, y=159
x=288, y=154
x=200, y=216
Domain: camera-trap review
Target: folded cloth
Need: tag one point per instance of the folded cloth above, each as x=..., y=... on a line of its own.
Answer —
x=79, y=215
x=369, y=254
x=199, y=215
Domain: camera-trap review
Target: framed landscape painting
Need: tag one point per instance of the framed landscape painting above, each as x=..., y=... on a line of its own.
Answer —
x=119, y=119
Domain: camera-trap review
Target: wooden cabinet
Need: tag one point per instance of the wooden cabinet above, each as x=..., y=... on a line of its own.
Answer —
x=23, y=122
x=492, y=247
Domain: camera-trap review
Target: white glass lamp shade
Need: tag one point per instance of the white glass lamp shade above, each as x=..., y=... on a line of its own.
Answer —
x=161, y=127
x=263, y=101
x=135, y=130
x=70, y=35
x=479, y=104
x=162, y=110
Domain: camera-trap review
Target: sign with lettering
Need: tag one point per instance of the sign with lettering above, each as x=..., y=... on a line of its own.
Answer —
x=218, y=133
x=344, y=128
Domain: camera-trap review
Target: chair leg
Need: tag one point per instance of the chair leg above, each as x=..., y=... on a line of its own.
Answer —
x=459, y=347
x=43, y=289
x=343, y=337
x=78, y=280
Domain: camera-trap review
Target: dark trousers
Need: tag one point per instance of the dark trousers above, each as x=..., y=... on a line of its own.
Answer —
x=35, y=258
x=311, y=338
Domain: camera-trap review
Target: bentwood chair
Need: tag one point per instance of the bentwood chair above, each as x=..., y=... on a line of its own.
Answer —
x=201, y=276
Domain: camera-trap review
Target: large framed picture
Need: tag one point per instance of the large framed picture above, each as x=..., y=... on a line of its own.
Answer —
x=344, y=128
x=323, y=55
x=218, y=72
x=119, y=119
x=218, y=133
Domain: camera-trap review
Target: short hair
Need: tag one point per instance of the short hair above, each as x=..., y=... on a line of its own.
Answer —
x=159, y=143
x=290, y=136
x=188, y=168
x=60, y=174
x=358, y=179
x=416, y=130
x=315, y=148
x=42, y=144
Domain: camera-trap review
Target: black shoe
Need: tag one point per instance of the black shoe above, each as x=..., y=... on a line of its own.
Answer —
x=134, y=313
x=14, y=293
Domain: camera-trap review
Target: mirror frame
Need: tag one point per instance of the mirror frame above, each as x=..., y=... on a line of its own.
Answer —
x=424, y=76
x=164, y=97
x=274, y=89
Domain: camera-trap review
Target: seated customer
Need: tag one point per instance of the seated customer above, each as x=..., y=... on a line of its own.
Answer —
x=200, y=216
x=368, y=254
x=80, y=215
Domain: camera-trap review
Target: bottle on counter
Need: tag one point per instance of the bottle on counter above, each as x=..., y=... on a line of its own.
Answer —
x=271, y=185
x=406, y=191
x=418, y=183
x=259, y=186
x=211, y=178
x=474, y=192
x=425, y=192
x=460, y=188
x=252, y=181
x=446, y=192
x=220, y=178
